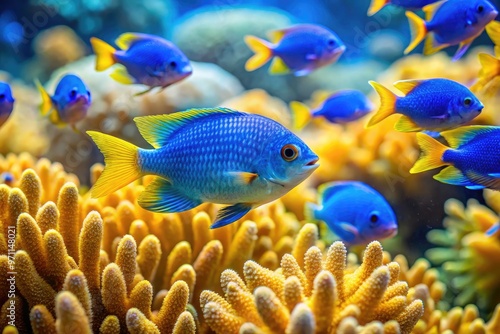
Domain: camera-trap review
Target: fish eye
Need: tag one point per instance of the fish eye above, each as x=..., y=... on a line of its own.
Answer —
x=173, y=64
x=480, y=8
x=289, y=152
x=331, y=43
x=88, y=93
x=467, y=101
x=72, y=93
x=2, y=96
x=374, y=218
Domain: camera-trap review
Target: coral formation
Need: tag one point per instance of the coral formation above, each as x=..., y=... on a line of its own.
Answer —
x=468, y=256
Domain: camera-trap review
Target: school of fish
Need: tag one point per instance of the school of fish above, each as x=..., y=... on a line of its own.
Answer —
x=242, y=160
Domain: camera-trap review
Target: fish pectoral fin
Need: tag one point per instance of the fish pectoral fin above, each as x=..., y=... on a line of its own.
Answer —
x=161, y=196
x=230, y=214
x=243, y=178
x=406, y=86
x=432, y=46
x=311, y=56
x=462, y=48
x=406, y=124
x=121, y=75
x=278, y=66
x=454, y=176
x=346, y=231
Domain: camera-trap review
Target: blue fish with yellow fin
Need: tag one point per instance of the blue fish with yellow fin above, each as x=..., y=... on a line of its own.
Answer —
x=354, y=211
x=6, y=102
x=433, y=104
x=299, y=49
x=377, y=5
x=146, y=59
x=70, y=102
x=450, y=22
x=207, y=155
x=472, y=160
x=340, y=107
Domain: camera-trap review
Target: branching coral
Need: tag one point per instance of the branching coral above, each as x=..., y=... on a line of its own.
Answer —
x=470, y=257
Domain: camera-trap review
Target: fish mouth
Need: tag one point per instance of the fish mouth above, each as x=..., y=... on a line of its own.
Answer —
x=310, y=166
x=492, y=15
x=313, y=162
x=391, y=232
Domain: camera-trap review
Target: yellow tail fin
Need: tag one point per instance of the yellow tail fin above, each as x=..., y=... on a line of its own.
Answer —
x=490, y=65
x=122, y=166
x=431, y=156
x=418, y=30
x=47, y=104
x=301, y=114
x=376, y=5
x=104, y=54
x=262, y=50
x=387, y=103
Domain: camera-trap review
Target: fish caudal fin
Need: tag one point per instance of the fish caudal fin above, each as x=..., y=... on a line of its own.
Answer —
x=310, y=210
x=418, y=30
x=47, y=104
x=263, y=52
x=387, y=103
x=301, y=114
x=493, y=30
x=490, y=66
x=104, y=54
x=377, y=5
x=121, y=164
x=431, y=156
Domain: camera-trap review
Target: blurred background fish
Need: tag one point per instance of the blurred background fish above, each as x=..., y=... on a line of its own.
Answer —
x=299, y=49
x=354, y=211
x=434, y=104
x=473, y=158
x=377, y=5
x=489, y=75
x=145, y=59
x=6, y=102
x=340, y=107
x=207, y=155
x=450, y=23
x=70, y=101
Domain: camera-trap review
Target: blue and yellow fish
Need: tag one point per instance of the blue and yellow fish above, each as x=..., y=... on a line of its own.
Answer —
x=433, y=104
x=473, y=158
x=6, y=102
x=299, y=49
x=207, y=155
x=70, y=102
x=354, y=211
x=450, y=22
x=146, y=59
x=340, y=107
x=377, y=5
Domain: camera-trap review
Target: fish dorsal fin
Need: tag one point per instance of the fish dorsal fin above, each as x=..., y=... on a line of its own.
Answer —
x=327, y=190
x=406, y=86
x=275, y=36
x=463, y=135
x=430, y=10
x=158, y=128
x=278, y=66
x=125, y=40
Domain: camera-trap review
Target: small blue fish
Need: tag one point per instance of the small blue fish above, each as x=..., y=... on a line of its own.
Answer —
x=341, y=107
x=354, y=211
x=7, y=178
x=147, y=59
x=377, y=5
x=70, y=102
x=433, y=104
x=450, y=22
x=207, y=155
x=473, y=158
x=299, y=49
x=6, y=102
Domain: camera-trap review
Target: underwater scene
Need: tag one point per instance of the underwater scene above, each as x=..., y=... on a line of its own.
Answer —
x=228, y=166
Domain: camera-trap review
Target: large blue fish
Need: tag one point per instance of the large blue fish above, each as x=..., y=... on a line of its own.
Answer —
x=299, y=49
x=146, y=59
x=6, y=102
x=433, y=104
x=354, y=211
x=207, y=155
x=70, y=102
x=473, y=158
x=450, y=22
x=341, y=107
x=377, y=5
